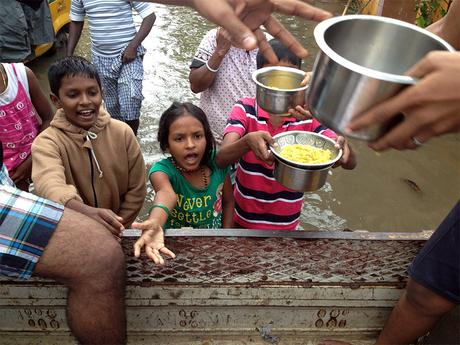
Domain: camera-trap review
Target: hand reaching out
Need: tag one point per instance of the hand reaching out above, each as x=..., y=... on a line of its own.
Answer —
x=242, y=20
x=223, y=44
x=152, y=239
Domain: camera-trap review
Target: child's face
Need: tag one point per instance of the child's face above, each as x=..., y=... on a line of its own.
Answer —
x=80, y=97
x=187, y=141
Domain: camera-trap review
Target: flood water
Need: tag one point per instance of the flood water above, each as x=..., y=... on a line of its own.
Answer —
x=388, y=192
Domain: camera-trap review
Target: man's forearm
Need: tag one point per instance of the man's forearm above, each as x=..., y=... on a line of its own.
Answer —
x=144, y=30
x=202, y=78
x=74, y=35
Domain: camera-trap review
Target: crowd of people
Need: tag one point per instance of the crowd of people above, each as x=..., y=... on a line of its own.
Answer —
x=89, y=173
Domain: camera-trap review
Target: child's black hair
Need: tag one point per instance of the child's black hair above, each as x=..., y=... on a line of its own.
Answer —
x=177, y=110
x=70, y=66
x=281, y=51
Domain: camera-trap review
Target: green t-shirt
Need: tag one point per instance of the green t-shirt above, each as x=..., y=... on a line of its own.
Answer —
x=196, y=208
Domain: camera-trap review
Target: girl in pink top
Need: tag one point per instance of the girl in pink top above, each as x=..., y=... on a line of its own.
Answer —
x=24, y=112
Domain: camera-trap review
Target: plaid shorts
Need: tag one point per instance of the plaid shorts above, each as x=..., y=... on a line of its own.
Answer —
x=122, y=85
x=27, y=223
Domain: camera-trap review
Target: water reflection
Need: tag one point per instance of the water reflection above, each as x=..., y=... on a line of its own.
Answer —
x=392, y=191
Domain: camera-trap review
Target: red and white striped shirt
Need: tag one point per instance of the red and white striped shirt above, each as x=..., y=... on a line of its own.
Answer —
x=260, y=201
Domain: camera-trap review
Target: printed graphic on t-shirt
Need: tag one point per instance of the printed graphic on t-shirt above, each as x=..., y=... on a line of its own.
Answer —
x=198, y=211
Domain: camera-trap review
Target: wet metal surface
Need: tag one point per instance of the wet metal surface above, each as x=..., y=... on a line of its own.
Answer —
x=235, y=290
x=267, y=261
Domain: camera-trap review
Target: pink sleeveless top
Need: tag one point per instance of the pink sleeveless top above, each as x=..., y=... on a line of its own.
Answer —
x=18, y=127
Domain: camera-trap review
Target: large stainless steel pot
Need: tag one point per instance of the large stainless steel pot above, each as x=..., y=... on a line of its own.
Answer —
x=362, y=61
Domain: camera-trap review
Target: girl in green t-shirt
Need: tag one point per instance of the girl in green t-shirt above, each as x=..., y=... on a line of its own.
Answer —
x=190, y=190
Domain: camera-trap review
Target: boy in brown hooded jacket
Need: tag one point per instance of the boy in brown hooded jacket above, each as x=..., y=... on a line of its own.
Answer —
x=86, y=160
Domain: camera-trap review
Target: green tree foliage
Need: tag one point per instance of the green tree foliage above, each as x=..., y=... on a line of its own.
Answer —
x=428, y=11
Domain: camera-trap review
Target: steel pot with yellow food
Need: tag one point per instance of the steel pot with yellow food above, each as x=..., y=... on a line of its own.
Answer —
x=303, y=159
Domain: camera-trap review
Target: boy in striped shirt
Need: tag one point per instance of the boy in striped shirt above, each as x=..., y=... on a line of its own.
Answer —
x=260, y=201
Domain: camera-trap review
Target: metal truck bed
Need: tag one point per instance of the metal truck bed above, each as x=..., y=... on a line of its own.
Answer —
x=238, y=290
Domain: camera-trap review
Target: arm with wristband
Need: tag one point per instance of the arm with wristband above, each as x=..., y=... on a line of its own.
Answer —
x=152, y=238
x=201, y=78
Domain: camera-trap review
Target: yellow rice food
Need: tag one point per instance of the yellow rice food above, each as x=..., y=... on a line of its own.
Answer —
x=305, y=154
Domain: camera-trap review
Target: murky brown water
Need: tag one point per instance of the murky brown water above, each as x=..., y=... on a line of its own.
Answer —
x=392, y=191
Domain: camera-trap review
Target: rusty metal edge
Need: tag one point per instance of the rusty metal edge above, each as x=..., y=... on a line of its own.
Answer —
x=334, y=235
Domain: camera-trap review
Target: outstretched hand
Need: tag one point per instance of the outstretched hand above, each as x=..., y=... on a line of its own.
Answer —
x=242, y=20
x=431, y=106
x=152, y=239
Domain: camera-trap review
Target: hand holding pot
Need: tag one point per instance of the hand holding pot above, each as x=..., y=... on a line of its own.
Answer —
x=258, y=143
x=302, y=112
x=431, y=106
x=348, y=160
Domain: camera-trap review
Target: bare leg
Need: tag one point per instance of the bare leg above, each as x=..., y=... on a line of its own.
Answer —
x=416, y=313
x=85, y=257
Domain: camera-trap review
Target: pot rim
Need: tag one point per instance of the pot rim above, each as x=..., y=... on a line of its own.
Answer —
x=259, y=71
x=321, y=28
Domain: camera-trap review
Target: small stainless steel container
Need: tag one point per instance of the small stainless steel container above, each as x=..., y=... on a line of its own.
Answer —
x=298, y=176
x=278, y=88
x=362, y=61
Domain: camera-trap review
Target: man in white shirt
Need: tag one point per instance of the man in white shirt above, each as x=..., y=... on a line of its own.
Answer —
x=117, y=51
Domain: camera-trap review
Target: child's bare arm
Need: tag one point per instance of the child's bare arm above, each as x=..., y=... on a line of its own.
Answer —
x=234, y=147
x=164, y=195
x=227, y=204
x=39, y=100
